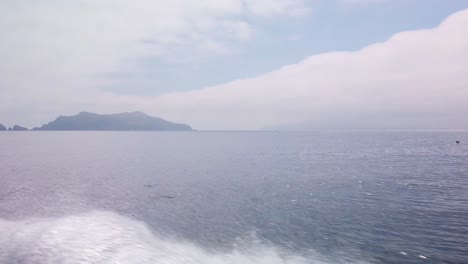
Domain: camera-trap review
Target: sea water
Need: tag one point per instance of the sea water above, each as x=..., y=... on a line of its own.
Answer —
x=233, y=197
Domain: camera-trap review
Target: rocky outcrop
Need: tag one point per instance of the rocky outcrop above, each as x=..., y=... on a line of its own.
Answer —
x=17, y=128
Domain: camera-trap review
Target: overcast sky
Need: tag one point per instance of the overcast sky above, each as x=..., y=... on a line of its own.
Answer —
x=238, y=64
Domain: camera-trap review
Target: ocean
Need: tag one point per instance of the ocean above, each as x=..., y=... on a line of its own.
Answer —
x=233, y=197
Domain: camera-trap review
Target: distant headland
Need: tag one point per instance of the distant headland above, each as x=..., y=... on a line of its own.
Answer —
x=132, y=121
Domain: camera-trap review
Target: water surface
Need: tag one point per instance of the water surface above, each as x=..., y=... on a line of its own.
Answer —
x=235, y=197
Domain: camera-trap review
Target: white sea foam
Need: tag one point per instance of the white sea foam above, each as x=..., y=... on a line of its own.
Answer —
x=105, y=238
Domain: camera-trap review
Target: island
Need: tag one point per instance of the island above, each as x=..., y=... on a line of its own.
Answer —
x=2, y=127
x=131, y=121
x=17, y=128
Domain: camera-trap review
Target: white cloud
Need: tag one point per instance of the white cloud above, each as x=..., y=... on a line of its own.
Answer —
x=416, y=79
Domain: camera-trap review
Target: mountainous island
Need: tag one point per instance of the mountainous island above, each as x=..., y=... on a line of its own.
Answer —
x=2, y=127
x=132, y=121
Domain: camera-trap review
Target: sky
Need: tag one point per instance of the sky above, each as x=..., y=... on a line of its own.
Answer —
x=238, y=64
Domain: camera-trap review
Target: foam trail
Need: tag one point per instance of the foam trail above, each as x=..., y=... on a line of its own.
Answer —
x=105, y=238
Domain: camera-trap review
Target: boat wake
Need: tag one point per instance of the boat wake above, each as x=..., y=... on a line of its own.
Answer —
x=104, y=237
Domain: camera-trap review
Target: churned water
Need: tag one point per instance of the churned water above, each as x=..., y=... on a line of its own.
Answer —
x=233, y=197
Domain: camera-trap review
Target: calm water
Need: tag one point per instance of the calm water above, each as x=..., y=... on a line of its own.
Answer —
x=233, y=197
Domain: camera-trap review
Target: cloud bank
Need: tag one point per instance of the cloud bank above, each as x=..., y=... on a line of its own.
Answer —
x=415, y=80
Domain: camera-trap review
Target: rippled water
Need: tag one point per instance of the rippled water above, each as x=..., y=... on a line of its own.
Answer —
x=233, y=197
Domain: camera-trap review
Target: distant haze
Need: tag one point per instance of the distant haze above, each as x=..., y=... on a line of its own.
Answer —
x=57, y=65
